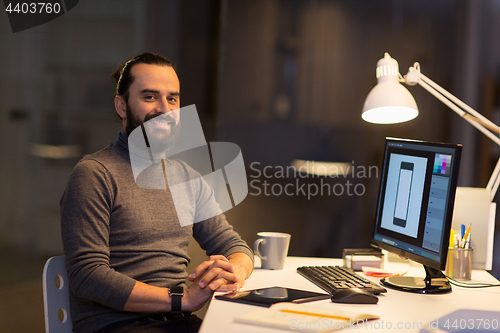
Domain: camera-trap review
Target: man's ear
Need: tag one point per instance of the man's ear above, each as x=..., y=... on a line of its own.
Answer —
x=121, y=106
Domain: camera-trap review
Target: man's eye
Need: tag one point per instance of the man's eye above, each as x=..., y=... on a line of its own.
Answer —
x=149, y=97
x=172, y=99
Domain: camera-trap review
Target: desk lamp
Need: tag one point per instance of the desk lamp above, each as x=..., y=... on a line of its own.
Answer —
x=390, y=102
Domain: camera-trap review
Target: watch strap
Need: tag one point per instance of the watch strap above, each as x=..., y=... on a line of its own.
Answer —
x=176, y=294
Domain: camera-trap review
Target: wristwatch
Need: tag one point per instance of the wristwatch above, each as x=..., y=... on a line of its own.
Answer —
x=176, y=294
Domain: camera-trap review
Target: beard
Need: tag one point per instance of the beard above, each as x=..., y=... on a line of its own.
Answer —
x=160, y=139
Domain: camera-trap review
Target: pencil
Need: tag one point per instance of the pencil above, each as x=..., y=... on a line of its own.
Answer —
x=314, y=314
x=464, y=239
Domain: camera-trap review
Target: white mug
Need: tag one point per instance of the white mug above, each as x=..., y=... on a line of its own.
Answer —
x=272, y=249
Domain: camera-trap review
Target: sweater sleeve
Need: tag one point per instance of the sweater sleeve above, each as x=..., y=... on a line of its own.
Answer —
x=216, y=236
x=85, y=214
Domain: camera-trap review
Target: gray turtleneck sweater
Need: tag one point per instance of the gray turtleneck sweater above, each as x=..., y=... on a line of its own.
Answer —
x=116, y=233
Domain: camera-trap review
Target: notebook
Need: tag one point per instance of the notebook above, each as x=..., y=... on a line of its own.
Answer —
x=304, y=318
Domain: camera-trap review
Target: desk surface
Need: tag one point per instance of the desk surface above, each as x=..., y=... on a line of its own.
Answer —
x=410, y=312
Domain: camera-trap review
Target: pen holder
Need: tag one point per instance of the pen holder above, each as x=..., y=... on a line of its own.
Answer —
x=459, y=263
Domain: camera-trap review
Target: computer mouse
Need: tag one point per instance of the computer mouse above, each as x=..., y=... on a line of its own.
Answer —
x=354, y=296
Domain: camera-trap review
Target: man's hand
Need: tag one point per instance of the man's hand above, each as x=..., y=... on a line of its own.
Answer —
x=221, y=274
x=195, y=297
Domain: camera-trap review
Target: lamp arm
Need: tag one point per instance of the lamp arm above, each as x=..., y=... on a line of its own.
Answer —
x=472, y=120
x=494, y=181
x=471, y=116
x=473, y=113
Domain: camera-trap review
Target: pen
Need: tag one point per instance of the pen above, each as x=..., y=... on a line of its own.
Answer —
x=462, y=231
x=457, y=242
x=452, y=238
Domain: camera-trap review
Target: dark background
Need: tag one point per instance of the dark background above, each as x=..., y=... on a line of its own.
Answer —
x=280, y=78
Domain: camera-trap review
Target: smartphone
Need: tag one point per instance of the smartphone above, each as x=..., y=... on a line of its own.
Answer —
x=403, y=194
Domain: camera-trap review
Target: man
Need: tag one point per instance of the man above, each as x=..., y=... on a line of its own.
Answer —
x=126, y=252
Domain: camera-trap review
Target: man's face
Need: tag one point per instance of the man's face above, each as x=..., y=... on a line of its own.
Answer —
x=154, y=92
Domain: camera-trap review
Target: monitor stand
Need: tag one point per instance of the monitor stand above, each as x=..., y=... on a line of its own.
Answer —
x=435, y=282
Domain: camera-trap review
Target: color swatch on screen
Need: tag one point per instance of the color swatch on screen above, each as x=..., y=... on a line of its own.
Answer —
x=442, y=164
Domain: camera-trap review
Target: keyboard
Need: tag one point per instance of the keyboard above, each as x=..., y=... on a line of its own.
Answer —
x=333, y=278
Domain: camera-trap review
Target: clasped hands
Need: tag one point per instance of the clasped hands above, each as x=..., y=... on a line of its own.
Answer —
x=219, y=274
x=215, y=274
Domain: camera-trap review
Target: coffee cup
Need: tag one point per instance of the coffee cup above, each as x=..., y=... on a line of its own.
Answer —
x=272, y=249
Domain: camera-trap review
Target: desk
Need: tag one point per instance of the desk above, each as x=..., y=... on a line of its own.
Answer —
x=395, y=306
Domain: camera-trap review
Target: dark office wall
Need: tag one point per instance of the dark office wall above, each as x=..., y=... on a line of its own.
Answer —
x=295, y=70
x=278, y=78
x=275, y=77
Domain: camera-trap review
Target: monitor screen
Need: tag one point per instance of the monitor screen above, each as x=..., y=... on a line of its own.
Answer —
x=416, y=198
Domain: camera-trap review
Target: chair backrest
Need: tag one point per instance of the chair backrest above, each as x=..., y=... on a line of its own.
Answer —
x=56, y=296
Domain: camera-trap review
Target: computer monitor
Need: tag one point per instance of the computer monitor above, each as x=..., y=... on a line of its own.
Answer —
x=415, y=207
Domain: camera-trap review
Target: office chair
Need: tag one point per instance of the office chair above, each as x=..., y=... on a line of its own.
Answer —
x=56, y=296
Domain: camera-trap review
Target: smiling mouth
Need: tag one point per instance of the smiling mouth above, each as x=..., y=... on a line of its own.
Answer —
x=161, y=123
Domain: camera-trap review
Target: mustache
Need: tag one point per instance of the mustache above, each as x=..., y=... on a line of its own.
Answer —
x=165, y=116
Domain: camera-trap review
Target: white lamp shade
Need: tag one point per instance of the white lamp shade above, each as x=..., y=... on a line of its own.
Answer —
x=389, y=103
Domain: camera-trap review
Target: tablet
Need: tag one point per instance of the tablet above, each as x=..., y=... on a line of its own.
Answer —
x=269, y=296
